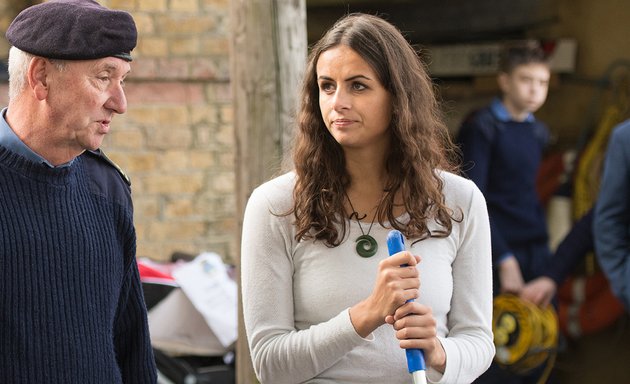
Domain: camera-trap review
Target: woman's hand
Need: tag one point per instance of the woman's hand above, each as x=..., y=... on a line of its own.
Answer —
x=416, y=328
x=394, y=286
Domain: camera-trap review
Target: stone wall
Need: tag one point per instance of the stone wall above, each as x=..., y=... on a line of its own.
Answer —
x=176, y=141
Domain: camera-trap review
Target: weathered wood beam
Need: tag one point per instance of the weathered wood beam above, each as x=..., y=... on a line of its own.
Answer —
x=269, y=48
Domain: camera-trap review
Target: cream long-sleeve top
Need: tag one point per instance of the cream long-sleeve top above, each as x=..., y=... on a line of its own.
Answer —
x=296, y=294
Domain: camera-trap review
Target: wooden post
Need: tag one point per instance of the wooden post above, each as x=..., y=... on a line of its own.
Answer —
x=269, y=47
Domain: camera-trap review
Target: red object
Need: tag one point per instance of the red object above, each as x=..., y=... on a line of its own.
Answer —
x=587, y=305
x=150, y=274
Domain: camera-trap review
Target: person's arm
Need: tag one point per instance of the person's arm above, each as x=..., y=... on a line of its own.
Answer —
x=571, y=250
x=281, y=353
x=131, y=333
x=612, y=215
x=475, y=141
x=469, y=345
x=131, y=329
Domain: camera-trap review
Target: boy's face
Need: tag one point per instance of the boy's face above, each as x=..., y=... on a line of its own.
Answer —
x=525, y=88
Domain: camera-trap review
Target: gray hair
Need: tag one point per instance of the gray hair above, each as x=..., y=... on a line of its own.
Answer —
x=18, y=68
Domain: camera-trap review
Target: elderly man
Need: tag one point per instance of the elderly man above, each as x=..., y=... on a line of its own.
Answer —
x=71, y=308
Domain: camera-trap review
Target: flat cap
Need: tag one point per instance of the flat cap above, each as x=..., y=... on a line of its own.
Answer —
x=73, y=30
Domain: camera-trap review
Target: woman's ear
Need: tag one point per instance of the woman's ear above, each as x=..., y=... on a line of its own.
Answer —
x=38, y=71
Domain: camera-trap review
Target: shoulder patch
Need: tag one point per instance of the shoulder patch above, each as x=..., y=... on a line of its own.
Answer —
x=98, y=153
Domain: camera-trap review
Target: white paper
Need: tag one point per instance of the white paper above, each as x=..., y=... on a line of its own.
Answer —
x=178, y=328
x=206, y=283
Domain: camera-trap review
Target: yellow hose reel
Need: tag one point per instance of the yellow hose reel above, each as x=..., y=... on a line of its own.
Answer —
x=525, y=336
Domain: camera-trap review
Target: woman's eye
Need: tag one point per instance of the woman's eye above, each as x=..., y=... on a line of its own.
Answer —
x=327, y=87
x=358, y=86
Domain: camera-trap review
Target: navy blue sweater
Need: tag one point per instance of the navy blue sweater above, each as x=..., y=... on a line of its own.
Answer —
x=71, y=303
x=502, y=158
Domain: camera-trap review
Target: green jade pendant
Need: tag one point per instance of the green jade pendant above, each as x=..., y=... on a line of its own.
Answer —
x=366, y=246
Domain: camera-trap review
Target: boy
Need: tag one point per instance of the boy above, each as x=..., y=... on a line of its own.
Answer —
x=502, y=147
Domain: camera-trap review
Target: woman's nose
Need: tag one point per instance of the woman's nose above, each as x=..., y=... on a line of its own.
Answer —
x=341, y=100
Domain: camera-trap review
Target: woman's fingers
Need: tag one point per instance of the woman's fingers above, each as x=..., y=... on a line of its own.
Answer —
x=415, y=325
x=402, y=318
x=401, y=258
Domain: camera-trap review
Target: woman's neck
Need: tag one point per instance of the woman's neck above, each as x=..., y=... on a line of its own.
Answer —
x=366, y=189
x=368, y=178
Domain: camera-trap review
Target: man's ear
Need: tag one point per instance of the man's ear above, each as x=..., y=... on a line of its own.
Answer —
x=38, y=71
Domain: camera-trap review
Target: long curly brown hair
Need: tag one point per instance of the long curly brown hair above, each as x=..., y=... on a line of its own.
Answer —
x=420, y=143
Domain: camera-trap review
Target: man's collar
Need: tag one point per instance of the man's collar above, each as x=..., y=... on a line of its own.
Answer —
x=12, y=142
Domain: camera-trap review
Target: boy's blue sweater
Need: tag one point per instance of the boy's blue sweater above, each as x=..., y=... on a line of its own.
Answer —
x=502, y=157
x=71, y=304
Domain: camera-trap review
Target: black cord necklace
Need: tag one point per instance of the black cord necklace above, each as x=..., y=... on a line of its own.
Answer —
x=366, y=244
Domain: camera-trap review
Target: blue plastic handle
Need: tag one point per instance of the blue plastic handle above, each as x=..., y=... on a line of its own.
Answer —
x=415, y=357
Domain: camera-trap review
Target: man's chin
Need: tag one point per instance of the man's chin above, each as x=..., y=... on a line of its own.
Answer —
x=93, y=145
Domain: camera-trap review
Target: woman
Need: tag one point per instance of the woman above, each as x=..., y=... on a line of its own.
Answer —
x=371, y=155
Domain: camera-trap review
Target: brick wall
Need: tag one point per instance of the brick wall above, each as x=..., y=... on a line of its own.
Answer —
x=176, y=140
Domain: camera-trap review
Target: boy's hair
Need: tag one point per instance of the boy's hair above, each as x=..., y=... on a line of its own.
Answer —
x=517, y=55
